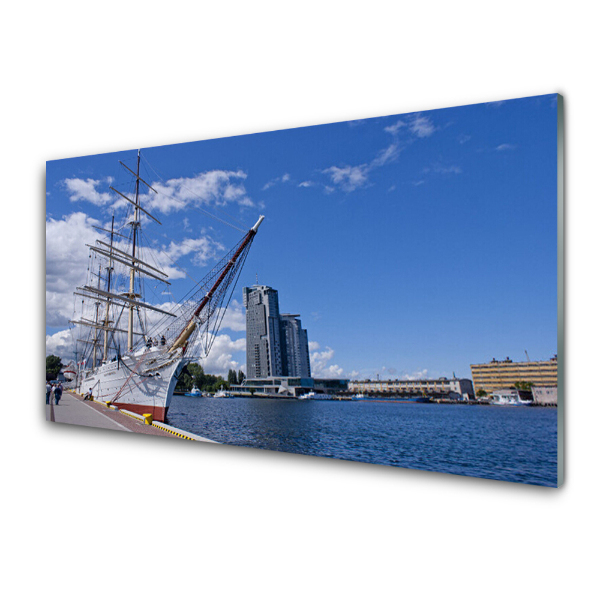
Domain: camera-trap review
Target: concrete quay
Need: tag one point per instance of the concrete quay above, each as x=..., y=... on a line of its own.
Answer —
x=73, y=410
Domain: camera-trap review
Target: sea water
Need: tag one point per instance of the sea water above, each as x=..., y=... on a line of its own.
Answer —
x=508, y=443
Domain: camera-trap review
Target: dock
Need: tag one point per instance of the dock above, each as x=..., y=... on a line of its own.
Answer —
x=73, y=410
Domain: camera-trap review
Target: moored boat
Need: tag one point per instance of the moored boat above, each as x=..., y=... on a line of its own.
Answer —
x=315, y=396
x=223, y=394
x=194, y=392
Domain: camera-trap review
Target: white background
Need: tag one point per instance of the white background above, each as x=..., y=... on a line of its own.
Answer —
x=92, y=514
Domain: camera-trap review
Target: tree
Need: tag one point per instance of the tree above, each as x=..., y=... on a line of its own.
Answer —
x=53, y=366
x=523, y=385
x=192, y=374
x=481, y=393
x=241, y=377
x=232, y=377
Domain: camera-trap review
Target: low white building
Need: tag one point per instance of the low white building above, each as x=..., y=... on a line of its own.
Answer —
x=545, y=395
x=454, y=387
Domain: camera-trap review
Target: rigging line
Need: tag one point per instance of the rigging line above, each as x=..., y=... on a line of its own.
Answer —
x=237, y=277
x=244, y=228
x=148, y=165
x=171, y=259
x=193, y=292
x=199, y=209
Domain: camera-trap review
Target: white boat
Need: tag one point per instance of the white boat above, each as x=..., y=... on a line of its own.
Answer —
x=509, y=399
x=223, y=394
x=194, y=392
x=359, y=397
x=143, y=377
x=315, y=396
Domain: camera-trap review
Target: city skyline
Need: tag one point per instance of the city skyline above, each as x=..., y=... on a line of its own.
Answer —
x=414, y=245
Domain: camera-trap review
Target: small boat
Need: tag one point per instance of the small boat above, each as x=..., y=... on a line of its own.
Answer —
x=503, y=401
x=195, y=392
x=223, y=394
x=359, y=397
x=315, y=396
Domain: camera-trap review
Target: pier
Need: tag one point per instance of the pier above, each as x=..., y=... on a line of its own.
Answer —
x=73, y=410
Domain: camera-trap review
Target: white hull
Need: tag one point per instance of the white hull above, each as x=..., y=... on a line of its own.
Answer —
x=142, y=382
x=511, y=402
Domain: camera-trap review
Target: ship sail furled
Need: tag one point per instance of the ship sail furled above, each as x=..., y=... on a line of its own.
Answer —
x=143, y=377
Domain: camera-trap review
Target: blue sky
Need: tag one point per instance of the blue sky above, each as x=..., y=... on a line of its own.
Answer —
x=411, y=245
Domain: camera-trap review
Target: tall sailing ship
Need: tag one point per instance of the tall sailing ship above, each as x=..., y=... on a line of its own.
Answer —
x=158, y=340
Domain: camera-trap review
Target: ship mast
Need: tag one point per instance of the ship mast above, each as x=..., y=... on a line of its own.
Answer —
x=109, y=269
x=94, y=360
x=127, y=300
x=135, y=225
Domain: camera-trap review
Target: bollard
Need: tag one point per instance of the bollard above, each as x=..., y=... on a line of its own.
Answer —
x=147, y=418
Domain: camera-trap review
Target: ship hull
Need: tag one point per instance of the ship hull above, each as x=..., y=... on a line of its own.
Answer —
x=142, y=382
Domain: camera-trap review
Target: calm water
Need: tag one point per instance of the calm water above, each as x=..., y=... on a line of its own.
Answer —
x=495, y=442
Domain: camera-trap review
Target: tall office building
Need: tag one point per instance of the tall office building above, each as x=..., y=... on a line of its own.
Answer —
x=296, y=360
x=276, y=345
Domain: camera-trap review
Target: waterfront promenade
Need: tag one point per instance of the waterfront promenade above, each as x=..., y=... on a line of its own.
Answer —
x=73, y=410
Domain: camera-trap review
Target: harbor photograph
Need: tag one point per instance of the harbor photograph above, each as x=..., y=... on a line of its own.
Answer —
x=381, y=291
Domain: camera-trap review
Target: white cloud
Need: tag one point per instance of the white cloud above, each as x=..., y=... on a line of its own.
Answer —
x=234, y=317
x=332, y=371
x=417, y=124
x=319, y=362
x=216, y=187
x=212, y=187
x=422, y=126
x=306, y=184
x=348, y=178
x=60, y=344
x=393, y=129
x=386, y=155
x=80, y=189
x=202, y=250
x=220, y=358
x=283, y=179
x=503, y=147
x=66, y=263
x=415, y=375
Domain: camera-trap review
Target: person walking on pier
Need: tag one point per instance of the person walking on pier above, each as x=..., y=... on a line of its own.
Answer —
x=48, y=392
x=57, y=393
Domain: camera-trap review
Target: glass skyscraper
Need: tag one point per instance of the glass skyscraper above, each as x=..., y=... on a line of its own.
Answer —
x=276, y=344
